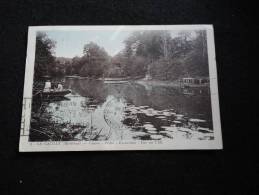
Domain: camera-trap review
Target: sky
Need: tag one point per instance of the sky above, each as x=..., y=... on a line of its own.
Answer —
x=70, y=43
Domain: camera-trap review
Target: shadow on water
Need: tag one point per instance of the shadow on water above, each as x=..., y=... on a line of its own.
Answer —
x=99, y=111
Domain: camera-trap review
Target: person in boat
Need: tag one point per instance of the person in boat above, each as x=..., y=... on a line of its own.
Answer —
x=47, y=87
x=60, y=87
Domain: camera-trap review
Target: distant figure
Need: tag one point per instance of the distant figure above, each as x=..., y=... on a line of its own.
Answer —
x=47, y=86
x=60, y=87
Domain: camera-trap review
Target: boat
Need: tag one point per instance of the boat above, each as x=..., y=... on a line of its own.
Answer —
x=204, y=130
x=194, y=120
x=115, y=82
x=54, y=93
x=82, y=77
x=73, y=77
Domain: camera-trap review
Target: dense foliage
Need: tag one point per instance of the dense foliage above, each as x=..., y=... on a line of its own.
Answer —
x=44, y=59
x=157, y=54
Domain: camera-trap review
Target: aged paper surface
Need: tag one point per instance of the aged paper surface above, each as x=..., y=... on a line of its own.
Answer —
x=120, y=88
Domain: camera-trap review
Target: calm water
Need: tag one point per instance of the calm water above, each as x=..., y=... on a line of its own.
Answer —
x=104, y=111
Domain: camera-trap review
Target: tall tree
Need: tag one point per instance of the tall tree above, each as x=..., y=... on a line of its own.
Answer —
x=94, y=60
x=197, y=60
x=44, y=59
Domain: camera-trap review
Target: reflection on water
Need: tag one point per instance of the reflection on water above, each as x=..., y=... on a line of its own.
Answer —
x=99, y=111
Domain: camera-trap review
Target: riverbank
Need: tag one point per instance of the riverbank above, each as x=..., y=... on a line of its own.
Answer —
x=142, y=81
x=159, y=83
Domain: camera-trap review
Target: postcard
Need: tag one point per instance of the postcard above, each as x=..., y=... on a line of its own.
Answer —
x=95, y=88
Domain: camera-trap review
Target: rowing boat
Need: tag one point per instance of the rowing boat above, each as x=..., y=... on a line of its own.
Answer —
x=55, y=93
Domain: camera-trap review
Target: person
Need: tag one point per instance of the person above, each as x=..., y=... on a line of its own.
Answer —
x=47, y=87
x=60, y=87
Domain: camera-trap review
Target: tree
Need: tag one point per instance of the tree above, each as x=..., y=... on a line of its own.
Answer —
x=143, y=48
x=162, y=57
x=94, y=60
x=197, y=60
x=44, y=59
x=150, y=44
x=116, y=67
x=76, y=66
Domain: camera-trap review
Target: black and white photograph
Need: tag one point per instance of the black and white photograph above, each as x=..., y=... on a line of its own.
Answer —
x=125, y=87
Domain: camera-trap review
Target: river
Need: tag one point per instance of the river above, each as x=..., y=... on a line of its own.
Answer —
x=96, y=110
